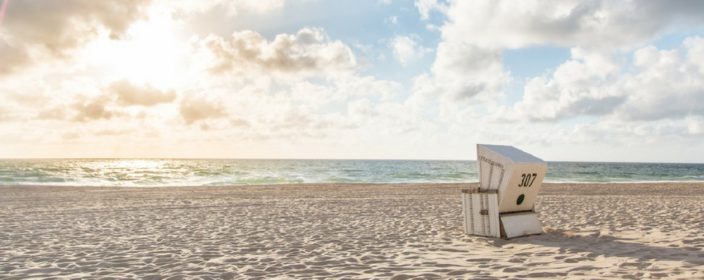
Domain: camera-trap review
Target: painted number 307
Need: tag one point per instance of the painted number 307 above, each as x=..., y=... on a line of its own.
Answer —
x=527, y=179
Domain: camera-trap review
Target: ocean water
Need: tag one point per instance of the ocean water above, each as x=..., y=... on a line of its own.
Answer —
x=206, y=172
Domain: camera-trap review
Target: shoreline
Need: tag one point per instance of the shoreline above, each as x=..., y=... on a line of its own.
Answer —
x=547, y=188
x=347, y=183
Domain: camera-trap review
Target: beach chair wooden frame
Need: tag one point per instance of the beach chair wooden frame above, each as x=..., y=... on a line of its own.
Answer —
x=503, y=206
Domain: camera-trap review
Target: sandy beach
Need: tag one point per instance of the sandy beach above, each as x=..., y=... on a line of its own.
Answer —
x=618, y=231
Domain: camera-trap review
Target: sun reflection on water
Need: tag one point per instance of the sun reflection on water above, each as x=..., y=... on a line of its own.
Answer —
x=134, y=164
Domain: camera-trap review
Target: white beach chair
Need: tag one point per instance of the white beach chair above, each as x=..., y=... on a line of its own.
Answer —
x=504, y=204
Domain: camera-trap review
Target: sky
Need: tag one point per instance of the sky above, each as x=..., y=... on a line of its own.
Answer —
x=426, y=79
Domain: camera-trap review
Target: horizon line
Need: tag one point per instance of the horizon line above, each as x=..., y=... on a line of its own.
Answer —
x=322, y=159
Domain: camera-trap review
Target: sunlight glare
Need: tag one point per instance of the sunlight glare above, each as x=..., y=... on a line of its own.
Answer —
x=150, y=53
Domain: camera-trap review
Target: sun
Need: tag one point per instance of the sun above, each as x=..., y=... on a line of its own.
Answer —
x=150, y=52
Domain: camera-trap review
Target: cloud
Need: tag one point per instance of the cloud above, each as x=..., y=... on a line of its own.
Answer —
x=258, y=6
x=129, y=94
x=462, y=71
x=60, y=25
x=56, y=26
x=12, y=57
x=93, y=109
x=101, y=103
x=307, y=94
x=55, y=113
x=611, y=90
x=468, y=59
x=194, y=109
x=660, y=84
x=4, y=115
x=112, y=132
x=356, y=86
x=580, y=86
x=695, y=125
x=586, y=24
x=391, y=20
x=239, y=122
x=426, y=6
x=307, y=51
x=593, y=82
x=695, y=52
x=231, y=7
x=668, y=84
x=407, y=49
x=220, y=17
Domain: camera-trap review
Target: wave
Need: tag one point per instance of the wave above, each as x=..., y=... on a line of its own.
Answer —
x=182, y=172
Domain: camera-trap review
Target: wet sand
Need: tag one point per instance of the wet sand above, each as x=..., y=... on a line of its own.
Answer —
x=355, y=231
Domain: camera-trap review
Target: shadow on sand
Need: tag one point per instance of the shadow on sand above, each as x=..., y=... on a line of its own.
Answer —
x=603, y=245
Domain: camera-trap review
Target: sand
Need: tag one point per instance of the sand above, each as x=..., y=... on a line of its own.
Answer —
x=617, y=231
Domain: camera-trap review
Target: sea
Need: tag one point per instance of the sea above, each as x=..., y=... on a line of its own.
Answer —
x=223, y=172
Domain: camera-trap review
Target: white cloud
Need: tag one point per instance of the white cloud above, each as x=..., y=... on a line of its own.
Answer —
x=55, y=27
x=695, y=125
x=586, y=24
x=599, y=95
x=393, y=20
x=258, y=6
x=406, y=49
x=11, y=55
x=93, y=109
x=426, y=6
x=668, y=84
x=231, y=7
x=284, y=90
x=307, y=51
x=580, y=86
x=660, y=84
x=308, y=94
x=129, y=94
x=593, y=82
x=695, y=52
x=468, y=60
x=196, y=108
x=461, y=72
